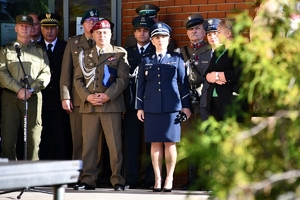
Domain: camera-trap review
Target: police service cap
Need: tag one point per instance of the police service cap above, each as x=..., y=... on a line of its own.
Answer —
x=193, y=20
x=49, y=19
x=160, y=28
x=88, y=14
x=102, y=24
x=211, y=25
x=142, y=21
x=149, y=10
x=24, y=19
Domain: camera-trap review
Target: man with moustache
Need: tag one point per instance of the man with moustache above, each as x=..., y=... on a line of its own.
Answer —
x=100, y=79
x=191, y=52
x=56, y=124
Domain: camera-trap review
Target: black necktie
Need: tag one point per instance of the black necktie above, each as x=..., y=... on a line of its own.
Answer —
x=160, y=57
x=142, y=50
x=49, y=48
x=90, y=42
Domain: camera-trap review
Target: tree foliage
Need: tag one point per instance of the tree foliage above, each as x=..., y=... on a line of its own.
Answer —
x=258, y=159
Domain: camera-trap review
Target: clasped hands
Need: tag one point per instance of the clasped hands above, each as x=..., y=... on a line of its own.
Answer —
x=211, y=78
x=21, y=94
x=97, y=99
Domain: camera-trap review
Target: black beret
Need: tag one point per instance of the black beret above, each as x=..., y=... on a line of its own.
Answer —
x=90, y=13
x=149, y=10
x=193, y=20
x=49, y=19
x=141, y=21
x=24, y=19
x=160, y=28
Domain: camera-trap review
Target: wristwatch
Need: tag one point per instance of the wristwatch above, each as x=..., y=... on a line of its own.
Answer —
x=217, y=76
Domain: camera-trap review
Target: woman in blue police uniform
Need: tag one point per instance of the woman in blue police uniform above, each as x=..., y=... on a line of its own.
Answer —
x=163, y=91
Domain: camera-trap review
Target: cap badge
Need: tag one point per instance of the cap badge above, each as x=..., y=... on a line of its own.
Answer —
x=48, y=15
x=24, y=18
x=147, y=6
x=159, y=25
x=210, y=21
x=92, y=13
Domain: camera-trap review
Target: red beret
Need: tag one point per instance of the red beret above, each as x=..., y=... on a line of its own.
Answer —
x=103, y=24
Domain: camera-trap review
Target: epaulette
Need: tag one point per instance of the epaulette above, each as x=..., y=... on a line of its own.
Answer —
x=8, y=44
x=74, y=36
x=120, y=48
x=130, y=48
x=39, y=46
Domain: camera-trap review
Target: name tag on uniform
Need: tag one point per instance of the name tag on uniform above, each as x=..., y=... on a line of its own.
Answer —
x=170, y=63
x=204, y=61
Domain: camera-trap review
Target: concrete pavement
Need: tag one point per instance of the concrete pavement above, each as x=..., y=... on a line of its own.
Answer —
x=109, y=194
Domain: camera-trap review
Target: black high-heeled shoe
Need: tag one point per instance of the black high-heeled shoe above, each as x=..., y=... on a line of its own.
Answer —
x=156, y=189
x=167, y=190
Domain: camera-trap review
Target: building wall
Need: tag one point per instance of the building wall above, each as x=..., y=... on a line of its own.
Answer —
x=174, y=12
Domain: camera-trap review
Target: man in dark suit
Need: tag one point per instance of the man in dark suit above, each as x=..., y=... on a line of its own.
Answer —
x=133, y=128
x=56, y=134
x=100, y=79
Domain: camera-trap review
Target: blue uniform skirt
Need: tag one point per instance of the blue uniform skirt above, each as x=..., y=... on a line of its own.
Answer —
x=161, y=127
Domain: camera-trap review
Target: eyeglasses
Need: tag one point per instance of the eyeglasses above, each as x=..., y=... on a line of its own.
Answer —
x=93, y=20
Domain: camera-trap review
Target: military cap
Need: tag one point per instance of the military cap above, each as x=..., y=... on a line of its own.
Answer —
x=112, y=25
x=142, y=21
x=211, y=25
x=49, y=19
x=160, y=28
x=90, y=13
x=103, y=24
x=24, y=19
x=149, y=10
x=193, y=20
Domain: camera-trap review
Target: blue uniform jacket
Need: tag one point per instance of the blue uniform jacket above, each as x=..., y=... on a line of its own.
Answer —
x=162, y=87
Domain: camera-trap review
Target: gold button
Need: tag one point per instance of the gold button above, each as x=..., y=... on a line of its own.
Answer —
x=158, y=75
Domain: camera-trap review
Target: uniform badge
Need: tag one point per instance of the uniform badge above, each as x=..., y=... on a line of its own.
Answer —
x=112, y=58
x=196, y=62
x=76, y=42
